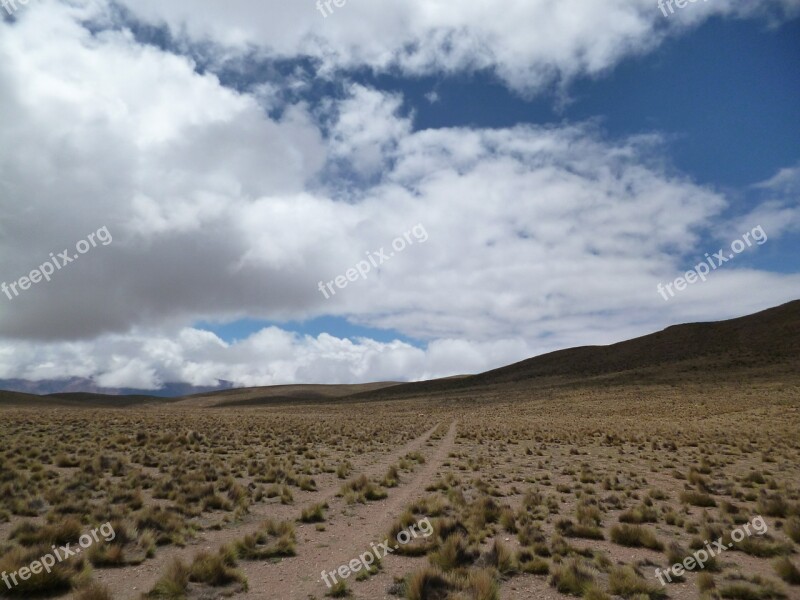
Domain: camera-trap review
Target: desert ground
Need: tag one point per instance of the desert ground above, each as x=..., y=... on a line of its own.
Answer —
x=569, y=491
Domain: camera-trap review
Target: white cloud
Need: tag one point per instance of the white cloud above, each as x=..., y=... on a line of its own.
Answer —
x=786, y=181
x=366, y=128
x=529, y=43
x=147, y=360
x=539, y=237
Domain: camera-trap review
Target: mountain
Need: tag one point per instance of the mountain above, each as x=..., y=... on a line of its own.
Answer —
x=769, y=341
x=764, y=346
x=75, y=385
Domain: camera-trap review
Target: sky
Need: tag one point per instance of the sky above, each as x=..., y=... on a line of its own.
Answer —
x=273, y=193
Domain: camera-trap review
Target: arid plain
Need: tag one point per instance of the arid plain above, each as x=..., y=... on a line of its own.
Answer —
x=576, y=474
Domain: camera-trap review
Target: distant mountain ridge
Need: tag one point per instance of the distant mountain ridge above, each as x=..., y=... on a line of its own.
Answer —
x=763, y=346
x=83, y=385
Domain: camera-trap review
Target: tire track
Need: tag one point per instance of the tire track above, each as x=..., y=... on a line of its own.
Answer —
x=345, y=537
x=129, y=583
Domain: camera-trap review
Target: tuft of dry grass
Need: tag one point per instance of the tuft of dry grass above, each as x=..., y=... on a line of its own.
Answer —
x=787, y=571
x=635, y=536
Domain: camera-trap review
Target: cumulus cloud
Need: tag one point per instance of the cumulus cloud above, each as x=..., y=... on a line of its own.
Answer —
x=528, y=43
x=148, y=360
x=539, y=237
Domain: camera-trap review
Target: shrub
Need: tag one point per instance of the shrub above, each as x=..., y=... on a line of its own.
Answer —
x=635, y=536
x=787, y=571
x=93, y=591
x=792, y=529
x=571, y=578
x=569, y=529
x=214, y=570
x=314, y=514
x=60, y=578
x=426, y=584
x=502, y=558
x=453, y=553
x=626, y=582
x=532, y=564
x=700, y=499
x=362, y=490
x=173, y=583
x=273, y=539
x=338, y=590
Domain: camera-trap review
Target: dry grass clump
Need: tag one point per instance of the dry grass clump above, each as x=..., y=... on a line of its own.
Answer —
x=93, y=591
x=573, y=577
x=392, y=477
x=338, y=590
x=772, y=505
x=432, y=584
x=273, y=539
x=787, y=571
x=419, y=545
x=167, y=526
x=362, y=490
x=626, y=582
x=643, y=513
x=173, y=583
x=65, y=531
x=502, y=558
x=763, y=546
x=792, y=529
x=314, y=513
x=210, y=570
x=532, y=564
x=453, y=553
x=635, y=536
x=129, y=547
x=568, y=528
x=63, y=576
x=216, y=570
x=696, y=498
x=739, y=587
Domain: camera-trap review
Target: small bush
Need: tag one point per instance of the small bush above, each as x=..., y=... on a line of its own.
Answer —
x=635, y=536
x=314, y=514
x=338, y=590
x=626, y=582
x=700, y=499
x=173, y=583
x=93, y=591
x=571, y=578
x=787, y=571
x=214, y=570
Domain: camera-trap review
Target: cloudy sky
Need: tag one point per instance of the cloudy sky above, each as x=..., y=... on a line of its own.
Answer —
x=544, y=165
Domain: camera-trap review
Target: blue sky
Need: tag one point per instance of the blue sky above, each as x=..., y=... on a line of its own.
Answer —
x=563, y=161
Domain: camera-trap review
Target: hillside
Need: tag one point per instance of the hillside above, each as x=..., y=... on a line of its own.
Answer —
x=763, y=346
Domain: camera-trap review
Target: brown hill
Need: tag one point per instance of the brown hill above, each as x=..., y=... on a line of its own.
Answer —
x=281, y=394
x=769, y=339
x=764, y=346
